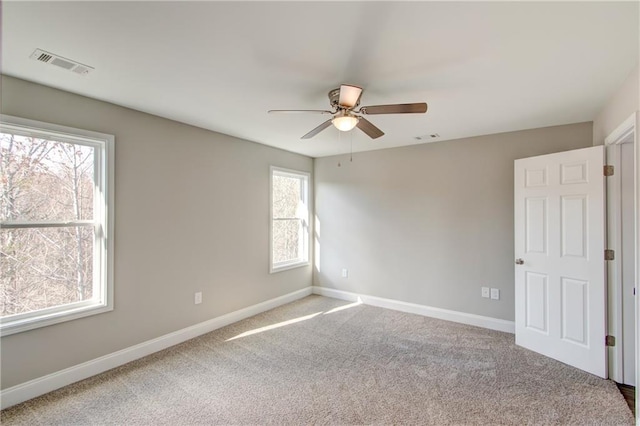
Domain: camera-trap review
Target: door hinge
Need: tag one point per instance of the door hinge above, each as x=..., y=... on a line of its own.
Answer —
x=609, y=341
x=608, y=170
x=609, y=254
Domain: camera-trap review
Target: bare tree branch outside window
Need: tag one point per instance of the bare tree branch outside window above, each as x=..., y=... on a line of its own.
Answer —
x=289, y=217
x=45, y=182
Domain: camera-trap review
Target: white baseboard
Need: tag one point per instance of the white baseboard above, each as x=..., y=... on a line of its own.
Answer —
x=36, y=387
x=427, y=311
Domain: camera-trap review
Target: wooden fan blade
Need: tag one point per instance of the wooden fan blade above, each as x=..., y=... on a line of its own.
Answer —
x=349, y=95
x=312, y=111
x=317, y=130
x=394, y=109
x=366, y=126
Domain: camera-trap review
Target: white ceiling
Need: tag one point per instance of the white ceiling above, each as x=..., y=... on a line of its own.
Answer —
x=483, y=67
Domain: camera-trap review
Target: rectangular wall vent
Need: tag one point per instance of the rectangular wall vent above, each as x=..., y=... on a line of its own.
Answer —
x=57, y=60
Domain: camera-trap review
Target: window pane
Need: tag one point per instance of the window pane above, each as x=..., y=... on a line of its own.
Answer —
x=45, y=180
x=44, y=267
x=286, y=196
x=286, y=240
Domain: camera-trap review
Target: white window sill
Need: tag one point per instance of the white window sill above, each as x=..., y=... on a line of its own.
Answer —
x=286, y=267
x=8, y=327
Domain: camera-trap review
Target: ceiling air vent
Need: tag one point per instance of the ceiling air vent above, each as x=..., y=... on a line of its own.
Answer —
x=67, y=64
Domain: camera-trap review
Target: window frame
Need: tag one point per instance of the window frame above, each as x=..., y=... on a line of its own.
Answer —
x=103, y=224
x=305, y=179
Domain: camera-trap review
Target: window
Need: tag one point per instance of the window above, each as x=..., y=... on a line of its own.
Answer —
x=56, y=224
x=289, y=219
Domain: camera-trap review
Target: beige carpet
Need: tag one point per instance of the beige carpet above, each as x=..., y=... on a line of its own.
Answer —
x=326, y=361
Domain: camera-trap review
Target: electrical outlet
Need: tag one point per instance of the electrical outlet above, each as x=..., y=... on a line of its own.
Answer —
x=495, y=293
x=198, y=298
x=345, y=273
x=485, y=292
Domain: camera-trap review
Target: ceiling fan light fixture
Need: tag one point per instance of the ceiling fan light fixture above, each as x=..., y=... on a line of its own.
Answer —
x=345, y=122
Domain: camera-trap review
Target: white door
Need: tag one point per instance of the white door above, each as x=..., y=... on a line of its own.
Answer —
x=559, y=248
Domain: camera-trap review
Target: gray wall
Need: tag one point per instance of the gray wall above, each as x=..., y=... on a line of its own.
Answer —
x=428, y=224
x=191, y=214
x=623, y=103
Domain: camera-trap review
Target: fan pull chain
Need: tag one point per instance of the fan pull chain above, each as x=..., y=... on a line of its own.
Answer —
x=339, y=142
x=351, y=152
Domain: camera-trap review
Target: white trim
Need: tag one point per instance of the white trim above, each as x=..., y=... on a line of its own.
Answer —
x=54, y=315
x=622, y=131
x=286, y=267
x=104, y=158
x=427, y=311
x=36, y=387
x=636, y=142
x=614, y=267
x=613, y=141
x=305, y=177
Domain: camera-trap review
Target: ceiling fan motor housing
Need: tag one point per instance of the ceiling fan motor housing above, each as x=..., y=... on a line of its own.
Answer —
x=334, y=99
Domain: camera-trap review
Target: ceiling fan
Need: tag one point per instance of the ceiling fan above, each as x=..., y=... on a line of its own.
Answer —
x=344, y=102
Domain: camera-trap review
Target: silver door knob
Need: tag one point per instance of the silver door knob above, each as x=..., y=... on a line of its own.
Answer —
x=519, y=262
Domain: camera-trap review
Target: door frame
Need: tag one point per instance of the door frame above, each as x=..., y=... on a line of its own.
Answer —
x=613, y=144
